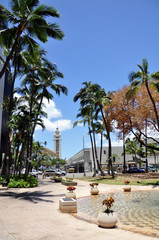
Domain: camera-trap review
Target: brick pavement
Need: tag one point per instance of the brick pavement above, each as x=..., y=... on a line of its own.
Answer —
x=32, y=214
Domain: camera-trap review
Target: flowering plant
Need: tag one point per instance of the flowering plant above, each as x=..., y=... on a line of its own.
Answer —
x=109, y=203
x=126, y=182
x=93, y=184
x=71, y=188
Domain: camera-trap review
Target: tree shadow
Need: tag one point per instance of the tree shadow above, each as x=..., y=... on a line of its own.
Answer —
x=34, y=197
x=154, y=185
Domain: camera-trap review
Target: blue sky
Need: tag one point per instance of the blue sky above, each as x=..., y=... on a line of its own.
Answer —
x=104, y=41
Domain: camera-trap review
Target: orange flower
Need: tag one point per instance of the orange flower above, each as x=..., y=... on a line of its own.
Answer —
x=71, y=188
x=108, y=202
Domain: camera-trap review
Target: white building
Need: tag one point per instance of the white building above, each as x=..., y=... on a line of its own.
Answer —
x=83, y=160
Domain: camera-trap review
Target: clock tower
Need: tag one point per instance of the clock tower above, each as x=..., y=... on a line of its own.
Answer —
x=57, y=143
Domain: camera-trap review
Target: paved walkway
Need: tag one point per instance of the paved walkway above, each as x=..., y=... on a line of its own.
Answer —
x=32, y=214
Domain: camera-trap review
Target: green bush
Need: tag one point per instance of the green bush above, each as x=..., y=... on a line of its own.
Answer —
x=2, y=179
x=58, y=179
x=17, y=182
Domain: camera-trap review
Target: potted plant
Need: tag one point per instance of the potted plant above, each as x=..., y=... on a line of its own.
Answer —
x=57, y=179
x=69, y=182
x=70, y=193
x=107, y=217
x=127, y=189
x=94, y=188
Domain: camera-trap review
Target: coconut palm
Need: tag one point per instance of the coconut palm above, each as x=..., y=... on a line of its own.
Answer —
x=131, y=147
x=85, y=120
x=142, y=77
x=41, y=76
x=27, y=19
x=153, y=152
x=99, y=128
x=86, y=112
x=87, y=102
x=102, y=99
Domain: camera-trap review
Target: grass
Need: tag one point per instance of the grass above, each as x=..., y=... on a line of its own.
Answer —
x=135, y=179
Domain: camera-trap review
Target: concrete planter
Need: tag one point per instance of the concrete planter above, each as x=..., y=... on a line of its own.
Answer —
x=107, y=220
x=69, y=183
x=71, y=194
x=94, y=191
x=127, y=189
x=68, y=205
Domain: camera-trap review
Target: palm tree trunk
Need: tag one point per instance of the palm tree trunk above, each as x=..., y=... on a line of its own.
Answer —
x=19, y=32
x=155, y=162
x=15, y=160
x=94, y=165
x=124, y=163
x=109, y=144
x=101, y=148
x=146, y=148
x=95, y=149
x=153, y=103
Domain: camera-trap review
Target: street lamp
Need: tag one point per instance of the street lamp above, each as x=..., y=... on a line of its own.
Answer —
x=83, y=158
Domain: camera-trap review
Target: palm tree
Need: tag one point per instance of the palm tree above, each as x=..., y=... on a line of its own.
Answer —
x=86, y=119
x=23, y=19
x=154, y=152
x=101, y=100
x=87, y=102
x=142, y=77
x=131, y=147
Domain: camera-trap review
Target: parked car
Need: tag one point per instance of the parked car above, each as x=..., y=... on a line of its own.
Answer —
x=34, y=172
x=51, y=172
x=23, y=171
x=106, y=172
x=142, y=170
x=63, y=173
x=151, y=169
x=135, y=170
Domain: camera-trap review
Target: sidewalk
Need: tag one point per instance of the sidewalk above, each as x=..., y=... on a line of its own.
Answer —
x=32, y=214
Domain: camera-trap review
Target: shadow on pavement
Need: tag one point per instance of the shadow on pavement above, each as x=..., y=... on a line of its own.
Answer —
x=34, y=197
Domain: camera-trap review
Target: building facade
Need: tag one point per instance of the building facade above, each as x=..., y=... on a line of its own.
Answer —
x=57, y=143
x=83, y=160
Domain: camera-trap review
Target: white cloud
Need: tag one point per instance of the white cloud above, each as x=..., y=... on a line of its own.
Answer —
x=62, y=124
x=80, y=124
x=53, y=112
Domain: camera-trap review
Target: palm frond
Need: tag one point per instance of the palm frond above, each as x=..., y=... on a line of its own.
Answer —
x=54, y=31
x=141, y=68
x=155, y=76
x=10, y=16
x=7, y=37
x=134, y=75
x=44, y=10
x=145, y=64
x=32, y=3
x=155, y=85
x=131, y=92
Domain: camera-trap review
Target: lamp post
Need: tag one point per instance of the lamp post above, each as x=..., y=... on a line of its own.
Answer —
x=84, y=159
